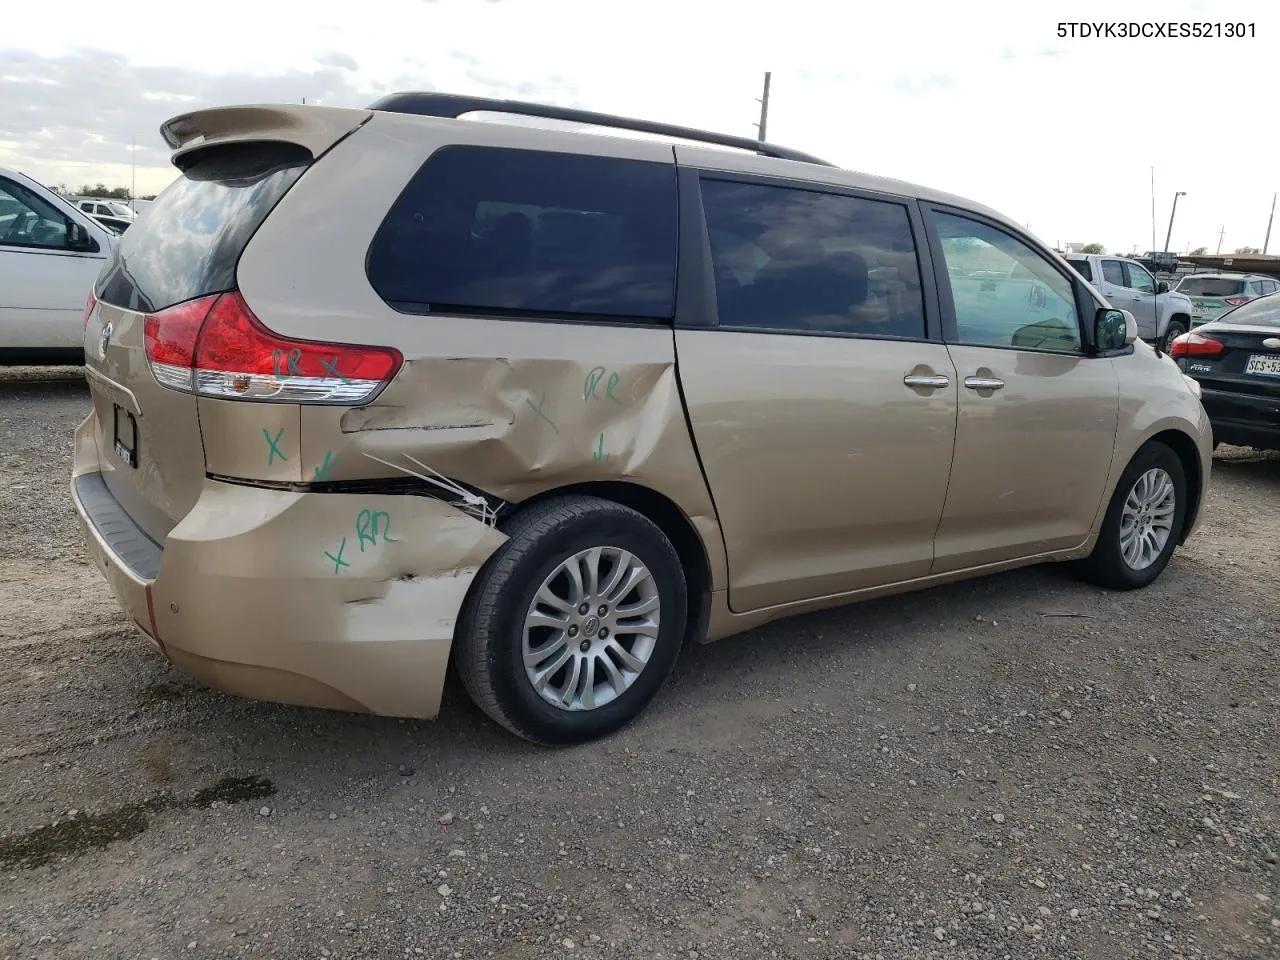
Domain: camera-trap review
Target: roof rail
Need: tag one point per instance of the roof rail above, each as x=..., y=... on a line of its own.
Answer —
x=453, y=106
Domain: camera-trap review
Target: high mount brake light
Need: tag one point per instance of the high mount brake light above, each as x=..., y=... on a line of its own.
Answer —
x=1195, y=345
x=216, y=347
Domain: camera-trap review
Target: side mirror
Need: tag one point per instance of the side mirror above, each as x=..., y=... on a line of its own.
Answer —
x=78, y=237
x=1162, y=286
x=1114, y=329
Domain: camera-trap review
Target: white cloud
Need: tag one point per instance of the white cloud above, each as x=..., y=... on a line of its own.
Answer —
x=983, y=99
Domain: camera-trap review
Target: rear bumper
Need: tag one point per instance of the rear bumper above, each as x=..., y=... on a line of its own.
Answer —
x=1243, y=419
x=246, y=595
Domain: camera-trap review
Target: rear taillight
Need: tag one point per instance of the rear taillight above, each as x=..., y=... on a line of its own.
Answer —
x=216, y=347
x=88, y=309
x=1195, y=345
x=171, y=342
x=1236, y=301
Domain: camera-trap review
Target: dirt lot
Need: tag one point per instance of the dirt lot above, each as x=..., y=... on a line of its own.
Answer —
x=1016, y=767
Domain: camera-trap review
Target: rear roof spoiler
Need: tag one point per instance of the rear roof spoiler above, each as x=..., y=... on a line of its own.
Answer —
x=314, y=128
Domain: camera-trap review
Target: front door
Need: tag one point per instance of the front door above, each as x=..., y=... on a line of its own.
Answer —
x=1037, y=418
x=823, y=413
x=1142, y=299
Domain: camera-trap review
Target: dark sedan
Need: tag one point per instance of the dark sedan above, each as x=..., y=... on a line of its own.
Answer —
x=1236, y=360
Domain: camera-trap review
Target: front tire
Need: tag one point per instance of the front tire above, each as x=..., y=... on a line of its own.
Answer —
x=1143, y=522
x=575, y=622
x=1175, y=329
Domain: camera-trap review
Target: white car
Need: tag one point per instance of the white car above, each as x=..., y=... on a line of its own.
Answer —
x=50, y=256
x=97, y=207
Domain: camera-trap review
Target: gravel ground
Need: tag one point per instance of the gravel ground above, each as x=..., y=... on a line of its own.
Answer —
x=1020, y=766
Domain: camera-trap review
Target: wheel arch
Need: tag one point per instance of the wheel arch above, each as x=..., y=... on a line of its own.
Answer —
x=1184, y=448
x=671, y=520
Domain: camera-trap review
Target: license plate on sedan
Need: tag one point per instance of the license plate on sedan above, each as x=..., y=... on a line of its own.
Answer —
x=1265, y=365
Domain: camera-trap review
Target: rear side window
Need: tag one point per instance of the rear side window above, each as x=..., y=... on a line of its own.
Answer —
x=803, y=260
x=1082, y=267
x=1113, y=272
x=192, y=237
x=485, y=230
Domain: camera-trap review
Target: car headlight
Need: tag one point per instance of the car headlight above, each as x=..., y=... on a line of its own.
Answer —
x=1193, y=385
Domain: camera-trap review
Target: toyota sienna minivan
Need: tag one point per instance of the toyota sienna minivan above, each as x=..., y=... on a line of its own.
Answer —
x=380, y=390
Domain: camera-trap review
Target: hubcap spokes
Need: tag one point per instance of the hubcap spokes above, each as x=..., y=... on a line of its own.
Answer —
x=591, y=628
x=1146, y=522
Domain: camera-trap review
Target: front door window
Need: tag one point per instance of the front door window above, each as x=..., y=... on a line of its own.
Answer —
x=1006, y=294
x=28, y=220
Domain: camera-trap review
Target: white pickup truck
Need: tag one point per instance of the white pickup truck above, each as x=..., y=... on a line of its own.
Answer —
x=1161, y=313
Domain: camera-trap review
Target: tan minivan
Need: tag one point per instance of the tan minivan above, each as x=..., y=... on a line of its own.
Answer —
x=377, y=389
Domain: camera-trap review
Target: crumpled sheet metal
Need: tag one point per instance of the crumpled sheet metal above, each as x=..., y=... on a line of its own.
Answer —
x=515, y=428
x=353, y=608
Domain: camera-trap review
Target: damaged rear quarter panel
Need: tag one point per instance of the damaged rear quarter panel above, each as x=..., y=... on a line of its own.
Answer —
x=337, y=600
x=512, y=407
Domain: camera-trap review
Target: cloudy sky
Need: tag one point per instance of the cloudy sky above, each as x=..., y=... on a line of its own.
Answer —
x=981, y=98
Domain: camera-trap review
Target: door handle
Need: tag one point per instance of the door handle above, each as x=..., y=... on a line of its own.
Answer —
x=926, y=381
x=983, y=383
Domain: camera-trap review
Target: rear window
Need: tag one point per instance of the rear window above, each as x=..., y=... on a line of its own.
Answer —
x=1082, y=268
x=1265, y=311
x=1211, y=287
x=485, y=229
x=189, y=243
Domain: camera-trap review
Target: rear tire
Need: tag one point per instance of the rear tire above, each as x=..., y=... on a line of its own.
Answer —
x=1141, y=528
x=558, y=657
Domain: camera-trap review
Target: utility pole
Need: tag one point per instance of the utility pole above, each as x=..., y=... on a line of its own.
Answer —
x=1221, y=233
x=1169, y=235
x=133, y=186
x=764, y=108
x=1267, y=242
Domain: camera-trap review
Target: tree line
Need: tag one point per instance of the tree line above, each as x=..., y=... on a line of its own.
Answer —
x=100, y=191
x=1197, y=252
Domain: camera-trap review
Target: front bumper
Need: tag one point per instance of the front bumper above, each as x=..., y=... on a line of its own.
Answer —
x=283, y=595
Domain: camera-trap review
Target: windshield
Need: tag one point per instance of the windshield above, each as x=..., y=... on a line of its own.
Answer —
x=119, y=209
x=1211, y=286
x=1263, y=312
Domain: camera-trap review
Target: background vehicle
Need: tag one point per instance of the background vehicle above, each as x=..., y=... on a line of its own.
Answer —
x=410, y=388
x=1162, y=314
x=1236, y=360
x=1213, y=294
x=50, y=255
x=116, y=215
x=1160, y=261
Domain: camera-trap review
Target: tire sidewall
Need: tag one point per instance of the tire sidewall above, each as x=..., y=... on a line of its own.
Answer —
x=504, y=641
x=1153, y=455
x=1170, y=335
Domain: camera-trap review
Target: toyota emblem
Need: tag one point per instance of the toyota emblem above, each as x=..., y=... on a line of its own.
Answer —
x=104, y=339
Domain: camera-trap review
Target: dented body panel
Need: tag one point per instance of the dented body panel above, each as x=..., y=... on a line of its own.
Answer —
x=341, y=601
x=514, y=408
